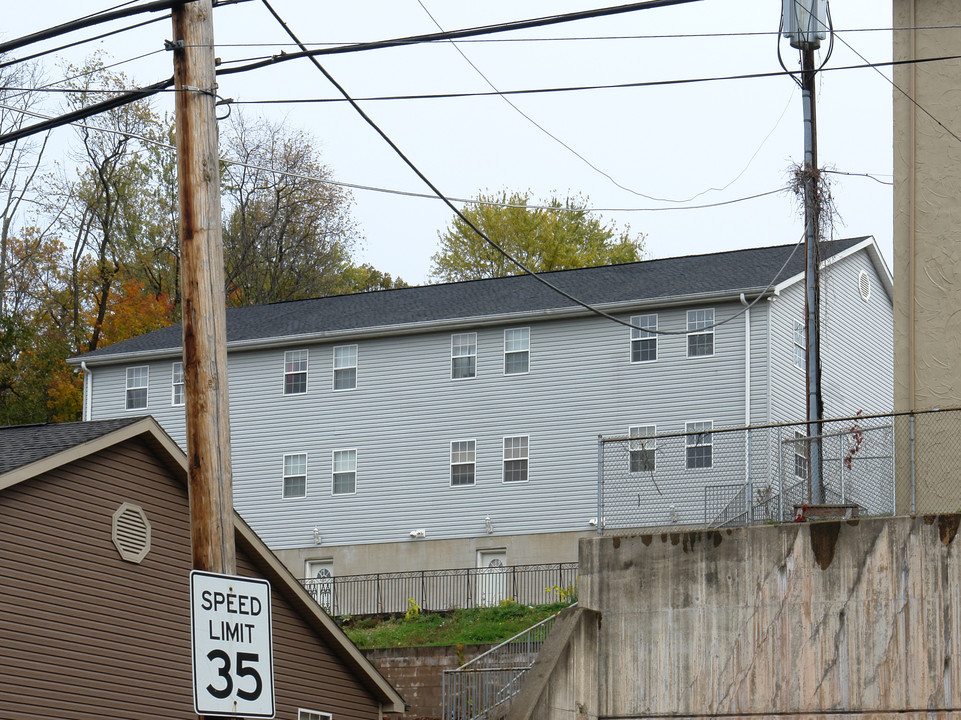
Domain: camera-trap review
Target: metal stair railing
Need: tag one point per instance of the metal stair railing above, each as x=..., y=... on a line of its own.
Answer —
x=482, y=688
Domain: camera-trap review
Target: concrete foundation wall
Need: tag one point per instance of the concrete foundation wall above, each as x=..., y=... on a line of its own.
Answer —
x=851, y=617
x=435, y=554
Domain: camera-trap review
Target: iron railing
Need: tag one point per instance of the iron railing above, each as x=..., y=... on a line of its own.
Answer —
x=716, y=477
x=482, y=688
x=441, y=590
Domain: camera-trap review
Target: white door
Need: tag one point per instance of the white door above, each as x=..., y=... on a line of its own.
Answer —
x=320, y=581
x=492, y=578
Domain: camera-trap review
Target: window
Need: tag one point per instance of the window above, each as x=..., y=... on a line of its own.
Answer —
x=699, y=445
x=642, y=449
x=517, y=351
x=345, y=367
x=463, y=355
x=295, y=372
x=515, y=459
x=313, y=715
x=800, y=454
x=462, y=459
x=643, y=342
x=137, y=387
x=345, y=472
x=700, y=333
x=177, y=384
x=800, y=346
x=295, y=475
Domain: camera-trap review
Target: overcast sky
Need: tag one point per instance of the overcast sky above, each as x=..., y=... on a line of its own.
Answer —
x=696, y=143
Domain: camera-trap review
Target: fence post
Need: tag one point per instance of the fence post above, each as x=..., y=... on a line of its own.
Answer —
x=841, y=459
x=911, y=424
x=780, y=477
x=600, y=484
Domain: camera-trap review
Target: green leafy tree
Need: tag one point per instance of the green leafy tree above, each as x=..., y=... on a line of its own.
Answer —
x=365, y=278
x=551, y=235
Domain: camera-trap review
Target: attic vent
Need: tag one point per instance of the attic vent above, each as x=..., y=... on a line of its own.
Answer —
x=864, y=286
x=131, y=532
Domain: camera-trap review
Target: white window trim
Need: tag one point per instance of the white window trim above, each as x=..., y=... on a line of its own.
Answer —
x=687, y=347
x=333, y=472
x=514, y=352
x=128, y=388
x=173, y=384
x=451, y=463
x=686, y=446
x=284, y=475
x=795, y=346
x=652, y=448
x=334, y=368
x=305, y=714
x=635, y=320
x=504, y=461
x=306, y=372
x=452, y=356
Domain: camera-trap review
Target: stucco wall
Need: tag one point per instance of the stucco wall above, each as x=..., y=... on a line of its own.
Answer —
x=851, y=617
x=927, y=214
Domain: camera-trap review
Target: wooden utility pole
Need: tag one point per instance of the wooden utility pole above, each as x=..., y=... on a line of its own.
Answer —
x=202, y=290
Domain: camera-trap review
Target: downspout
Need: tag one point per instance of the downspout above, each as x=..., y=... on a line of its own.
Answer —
x=87, y=391
x=747, y=389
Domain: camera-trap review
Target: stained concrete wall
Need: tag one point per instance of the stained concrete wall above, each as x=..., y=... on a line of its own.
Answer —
x=851, y=617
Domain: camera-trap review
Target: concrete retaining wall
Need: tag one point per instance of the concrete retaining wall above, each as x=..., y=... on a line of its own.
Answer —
x=417, y=673
x=850, y=617
x=562, y=684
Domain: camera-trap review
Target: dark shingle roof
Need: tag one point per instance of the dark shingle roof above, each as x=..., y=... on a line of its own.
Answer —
x=24, y=444
x=736, y=270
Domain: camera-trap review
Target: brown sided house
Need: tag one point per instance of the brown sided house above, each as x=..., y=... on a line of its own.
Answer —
x=95, y=554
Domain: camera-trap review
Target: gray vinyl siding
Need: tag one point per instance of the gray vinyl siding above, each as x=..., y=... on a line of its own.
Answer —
x=406, y=411
x=787, y=380
x=858, y=347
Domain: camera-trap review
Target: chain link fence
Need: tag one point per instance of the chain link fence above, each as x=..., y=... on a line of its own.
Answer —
x=711, y=477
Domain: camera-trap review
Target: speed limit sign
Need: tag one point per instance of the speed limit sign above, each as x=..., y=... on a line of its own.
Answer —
x=231, y=641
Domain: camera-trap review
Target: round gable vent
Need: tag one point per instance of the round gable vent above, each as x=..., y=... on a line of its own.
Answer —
x=131, y=532
x=864, y=286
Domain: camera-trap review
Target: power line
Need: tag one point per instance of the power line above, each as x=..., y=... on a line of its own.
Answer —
x=405, y=193
x=531, y=91
x=87, y=21
x=86, y=111
x=895, y=86
x=468, y=32
x=82, y=42
x=582, y=88
x=462, y=216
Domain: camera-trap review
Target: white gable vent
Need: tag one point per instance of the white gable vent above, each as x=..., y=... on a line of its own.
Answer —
x=864, y=286
x=131, y=532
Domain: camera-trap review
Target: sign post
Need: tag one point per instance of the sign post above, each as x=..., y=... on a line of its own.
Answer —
x=233, y=666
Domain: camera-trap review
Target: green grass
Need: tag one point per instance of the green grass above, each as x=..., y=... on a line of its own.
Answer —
x=459, y=627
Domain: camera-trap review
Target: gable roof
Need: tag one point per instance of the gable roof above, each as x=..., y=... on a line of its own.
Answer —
x=415, y=309
x=30, y=450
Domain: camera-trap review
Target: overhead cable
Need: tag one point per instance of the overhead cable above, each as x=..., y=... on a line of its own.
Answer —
x=88, y=21
x=468, y=32
x=467, y=221
x=87, y=111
